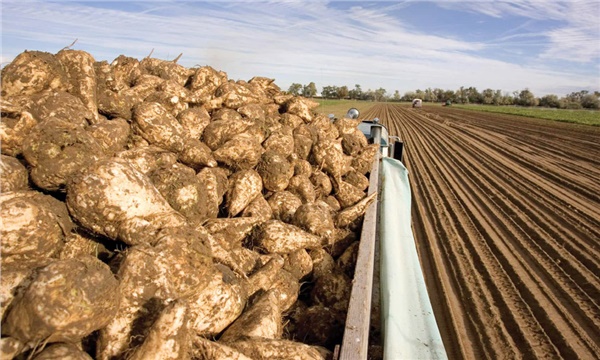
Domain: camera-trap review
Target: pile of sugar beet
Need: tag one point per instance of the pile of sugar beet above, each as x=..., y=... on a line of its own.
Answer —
x=154, y=211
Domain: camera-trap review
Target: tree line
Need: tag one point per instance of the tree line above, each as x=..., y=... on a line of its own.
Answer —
x=576, y=100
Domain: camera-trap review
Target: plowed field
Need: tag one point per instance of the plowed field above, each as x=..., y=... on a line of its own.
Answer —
x=506, y=215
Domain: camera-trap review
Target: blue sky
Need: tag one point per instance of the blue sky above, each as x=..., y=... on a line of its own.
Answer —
x=550, y=47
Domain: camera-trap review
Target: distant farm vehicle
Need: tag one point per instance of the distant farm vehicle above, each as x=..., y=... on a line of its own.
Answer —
x=447, y=103
x=417, y=103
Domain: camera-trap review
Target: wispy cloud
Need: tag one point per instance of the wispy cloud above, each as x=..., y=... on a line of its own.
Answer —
x=303, y=41
x=580, y=39
x=576, y=36
x=534, y=9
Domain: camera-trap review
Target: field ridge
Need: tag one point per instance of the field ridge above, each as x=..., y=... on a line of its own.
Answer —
x=506, y=216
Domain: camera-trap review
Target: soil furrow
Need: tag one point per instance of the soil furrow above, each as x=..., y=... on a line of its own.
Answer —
x=553, y=152
x=506, y=297
x=511, y=258
x=508, y=251
x=492, y=308
x=540, y=212
x=473, y=318
x=543, y=226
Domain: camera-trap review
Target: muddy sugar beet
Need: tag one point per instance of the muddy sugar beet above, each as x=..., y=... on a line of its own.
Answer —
x=151, y=209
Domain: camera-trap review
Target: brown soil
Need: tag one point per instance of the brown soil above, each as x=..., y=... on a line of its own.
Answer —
x=506, y=216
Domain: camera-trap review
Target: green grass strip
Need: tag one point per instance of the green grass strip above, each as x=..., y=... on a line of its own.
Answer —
x=339, y=108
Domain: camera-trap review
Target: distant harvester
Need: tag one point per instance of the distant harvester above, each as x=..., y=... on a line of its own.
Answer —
x=417, y=103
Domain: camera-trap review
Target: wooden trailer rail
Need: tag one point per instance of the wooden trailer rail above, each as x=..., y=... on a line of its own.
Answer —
x=356, y=334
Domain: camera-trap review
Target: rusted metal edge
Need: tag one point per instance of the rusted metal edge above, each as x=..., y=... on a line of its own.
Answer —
x=356, y=333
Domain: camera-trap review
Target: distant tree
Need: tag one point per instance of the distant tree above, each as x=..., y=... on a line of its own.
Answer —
x=565, y=103
x=590, y=101
x=355, y=93
x=526, y=98
x=396, y=96
x=343, y=92
x=497, y=99
x=449, y=95
x=550, y=101
x=330, y=92
x=439, y=94
x=577, y=96
x=309, y=90
x=368, y=95
x=461, y=96
x=473, y=96
x=582, y=99
x=508, y=99
x=429, y=95
x=487, y=96
x=295, y=89
x=380, y=94
x=409, y=96
x=420, y=94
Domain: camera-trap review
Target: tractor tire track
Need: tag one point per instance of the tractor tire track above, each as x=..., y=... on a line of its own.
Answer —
x=506, y=218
